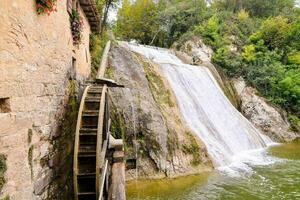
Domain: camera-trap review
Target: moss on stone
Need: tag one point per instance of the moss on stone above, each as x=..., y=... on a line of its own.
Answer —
x=161, y=94
x=6, y=198
x=60, y=157
x=118, y=126
x=30, y=160
x=109, y=73
x=230, y=93
x=172, y=142
x=192, y=148
x=68, y=123
x=29, y=137
x=3, y=169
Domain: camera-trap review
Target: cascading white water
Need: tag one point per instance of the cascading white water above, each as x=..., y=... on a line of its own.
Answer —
x=205, y=108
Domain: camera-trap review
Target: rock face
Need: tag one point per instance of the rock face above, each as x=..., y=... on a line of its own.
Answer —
x=152, y=125
x=41, y=73
x=268, y=119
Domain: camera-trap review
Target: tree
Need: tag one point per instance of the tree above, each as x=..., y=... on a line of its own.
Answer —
x=139, y=20
x=108, y=5
x=262, y=8
x=274, y=32
x=265, y=8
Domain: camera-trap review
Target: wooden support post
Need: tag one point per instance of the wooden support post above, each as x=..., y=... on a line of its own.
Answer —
x=117, y=186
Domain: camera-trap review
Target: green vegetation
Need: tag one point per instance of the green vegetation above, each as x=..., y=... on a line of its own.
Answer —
x=3, y=169
x=258, y=40
x=295, y=123
x=109, y=73
x=97, y=44
x=139, y=20
x=29, y=136
x=160, y=93
x=30, y=160
x=118, y=127
x=192, y=148
x=6, y=198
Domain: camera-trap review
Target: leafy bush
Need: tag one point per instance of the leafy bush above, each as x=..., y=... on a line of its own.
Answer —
x=274, y=32
x=294, y=123
x=230, y=62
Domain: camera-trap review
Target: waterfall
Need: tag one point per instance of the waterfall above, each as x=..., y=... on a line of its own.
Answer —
x=226, y=133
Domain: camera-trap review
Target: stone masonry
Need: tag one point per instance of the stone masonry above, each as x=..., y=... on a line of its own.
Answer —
x=39, y=70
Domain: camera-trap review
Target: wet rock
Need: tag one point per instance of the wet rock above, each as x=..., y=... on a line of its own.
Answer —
x=268, y=119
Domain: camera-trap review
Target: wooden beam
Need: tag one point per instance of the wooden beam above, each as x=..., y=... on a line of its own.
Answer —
x=102, y=179
x=103, y=64
x=117, y=186
x=108, y=82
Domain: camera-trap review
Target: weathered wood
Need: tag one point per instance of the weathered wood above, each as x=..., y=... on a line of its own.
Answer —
x=117, y=186
x=99, y=137
x=116, y=144
x=103, y=64
x=108, y=82
x=118, y=156
x=102, y=179
x=76, y=145
x=90, y=9
x=104, y=151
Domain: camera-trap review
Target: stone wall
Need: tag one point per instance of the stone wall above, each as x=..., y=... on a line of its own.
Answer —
x=40, y=70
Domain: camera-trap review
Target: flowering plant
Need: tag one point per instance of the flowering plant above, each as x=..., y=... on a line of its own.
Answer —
x=45, y=6
x=76, y=27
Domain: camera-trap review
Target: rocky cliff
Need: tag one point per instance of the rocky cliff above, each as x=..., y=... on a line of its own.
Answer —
x=268, y=119
x=149, y=120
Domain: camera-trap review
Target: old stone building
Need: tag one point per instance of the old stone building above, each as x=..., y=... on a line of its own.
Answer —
x=41, y=73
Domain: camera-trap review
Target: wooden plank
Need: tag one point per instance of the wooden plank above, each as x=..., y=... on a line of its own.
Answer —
x=103, y=65
x=104, y=150
x=99, y=137
x=76, y=145
x=108, y=82
x=117, y=186
x=102, y=179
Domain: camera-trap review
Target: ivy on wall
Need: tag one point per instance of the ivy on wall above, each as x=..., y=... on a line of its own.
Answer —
x=45, y=6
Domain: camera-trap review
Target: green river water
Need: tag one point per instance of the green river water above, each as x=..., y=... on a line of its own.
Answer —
x=277, y=181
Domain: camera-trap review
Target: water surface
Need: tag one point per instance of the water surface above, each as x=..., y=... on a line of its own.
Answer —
x=279, y=180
